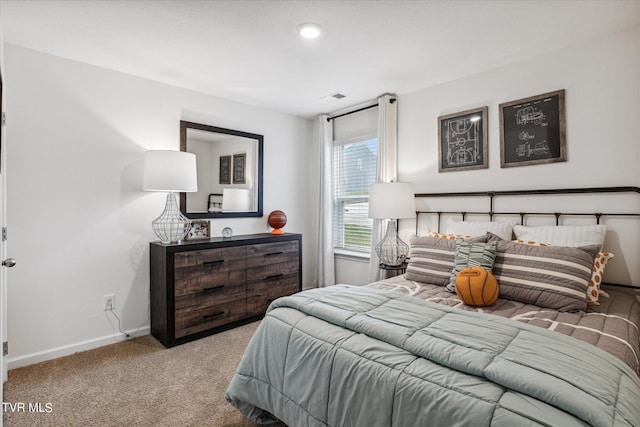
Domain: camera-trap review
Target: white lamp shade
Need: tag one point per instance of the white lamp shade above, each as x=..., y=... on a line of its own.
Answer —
x=171, y=171
x=235, y=199
x=392, y=200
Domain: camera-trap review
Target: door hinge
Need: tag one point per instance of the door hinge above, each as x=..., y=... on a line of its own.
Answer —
x=4, y=119
x=4, y=234
x=5, y=348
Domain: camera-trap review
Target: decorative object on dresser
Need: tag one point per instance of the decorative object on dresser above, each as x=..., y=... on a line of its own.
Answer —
x=200, y=229
x=533, y=130
x=463, y=141
x=277, y=220
x=393, y=201
x=200, y=288
x=170, y=171
x=227, y=232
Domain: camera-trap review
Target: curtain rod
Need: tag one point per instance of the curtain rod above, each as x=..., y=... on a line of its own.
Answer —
x=392, y=100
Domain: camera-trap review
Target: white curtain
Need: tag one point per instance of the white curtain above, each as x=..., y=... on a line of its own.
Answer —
x=387, y=168
x=325, y=274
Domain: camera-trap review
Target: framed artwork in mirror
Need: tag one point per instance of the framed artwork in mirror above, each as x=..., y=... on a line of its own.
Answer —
x=462, y=140
x=225, y=170
x=533, y=130
x=239, y=161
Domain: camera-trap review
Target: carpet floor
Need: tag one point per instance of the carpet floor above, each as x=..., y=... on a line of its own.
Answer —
x=132, y=383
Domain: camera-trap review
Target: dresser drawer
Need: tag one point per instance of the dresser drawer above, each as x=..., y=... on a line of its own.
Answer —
x=213, y=258
x=212, y=295
x=261, y=294
x=271, y=253
x=190, y=321
x=272, y=271
x=205, y=278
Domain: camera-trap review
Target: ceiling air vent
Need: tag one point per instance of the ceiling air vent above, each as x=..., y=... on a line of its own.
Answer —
x=335, y=95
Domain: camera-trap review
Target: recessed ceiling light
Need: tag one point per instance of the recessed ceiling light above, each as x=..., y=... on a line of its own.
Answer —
x=309, y=30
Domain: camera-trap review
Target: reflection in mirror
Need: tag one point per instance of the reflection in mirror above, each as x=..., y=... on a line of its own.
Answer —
x=229, y=165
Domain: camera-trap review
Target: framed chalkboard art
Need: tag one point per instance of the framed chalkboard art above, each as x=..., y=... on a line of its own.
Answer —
x=533, y=130
x=462, y=140
x=239, y=162
x=225, y=170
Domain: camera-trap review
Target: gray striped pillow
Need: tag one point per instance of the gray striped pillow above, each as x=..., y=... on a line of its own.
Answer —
x=547, y=276
x=431, y=259
x=471, y=255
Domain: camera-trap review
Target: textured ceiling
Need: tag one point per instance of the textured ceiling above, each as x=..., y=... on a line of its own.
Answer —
x=249, y=50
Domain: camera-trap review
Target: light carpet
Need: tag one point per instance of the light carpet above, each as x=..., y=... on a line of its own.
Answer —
x=132, y=383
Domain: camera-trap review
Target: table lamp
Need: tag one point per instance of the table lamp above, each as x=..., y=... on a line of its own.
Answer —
x=393, y=201
x=173, y=172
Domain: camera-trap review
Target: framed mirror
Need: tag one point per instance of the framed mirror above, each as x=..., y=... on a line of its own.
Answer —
x=229, y=165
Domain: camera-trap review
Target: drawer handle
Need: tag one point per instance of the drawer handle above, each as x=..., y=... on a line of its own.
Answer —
x=275, y=253
x=274, y=276
x=220, y=261
x=213, y=288
x=212, y=316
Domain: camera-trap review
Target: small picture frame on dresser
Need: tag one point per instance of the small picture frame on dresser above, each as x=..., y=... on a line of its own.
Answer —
x=200, y=229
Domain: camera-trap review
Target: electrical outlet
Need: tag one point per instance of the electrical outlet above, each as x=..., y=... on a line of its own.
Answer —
x=109, y=302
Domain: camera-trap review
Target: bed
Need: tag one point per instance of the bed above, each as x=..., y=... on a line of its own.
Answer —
x=404, y=351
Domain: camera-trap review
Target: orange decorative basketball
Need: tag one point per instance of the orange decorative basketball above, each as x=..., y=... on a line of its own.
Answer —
x=277, y=220
x=477, y=287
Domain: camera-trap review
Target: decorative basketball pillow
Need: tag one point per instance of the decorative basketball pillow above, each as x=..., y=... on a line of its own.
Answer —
x=477, y=287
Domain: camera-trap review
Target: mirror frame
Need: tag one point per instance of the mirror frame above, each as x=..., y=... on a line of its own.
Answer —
x=184, y=126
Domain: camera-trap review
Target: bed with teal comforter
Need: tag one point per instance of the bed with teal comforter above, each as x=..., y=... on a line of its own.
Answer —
x=350, y=356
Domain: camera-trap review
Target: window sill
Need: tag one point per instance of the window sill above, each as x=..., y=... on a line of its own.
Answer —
x=347, y=254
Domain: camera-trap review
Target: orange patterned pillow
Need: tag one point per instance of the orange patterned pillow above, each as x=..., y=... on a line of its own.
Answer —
x=446, y=236
x=593, y=292
x=596, y=278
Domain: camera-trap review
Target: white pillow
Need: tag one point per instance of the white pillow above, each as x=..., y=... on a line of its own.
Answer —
x=563, y=235
x=475, y=228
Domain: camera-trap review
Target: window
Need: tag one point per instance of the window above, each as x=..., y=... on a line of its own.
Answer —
x=355, y=159
x=354, y=169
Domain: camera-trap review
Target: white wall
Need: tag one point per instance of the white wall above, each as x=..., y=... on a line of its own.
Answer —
x=79, y=224
x=602, y=83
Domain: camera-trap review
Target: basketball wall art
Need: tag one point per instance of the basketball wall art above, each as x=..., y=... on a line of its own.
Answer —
x=463, y=140
x=533, y=130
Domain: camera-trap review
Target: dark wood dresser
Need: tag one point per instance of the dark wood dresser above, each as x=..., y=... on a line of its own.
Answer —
x=202, y=287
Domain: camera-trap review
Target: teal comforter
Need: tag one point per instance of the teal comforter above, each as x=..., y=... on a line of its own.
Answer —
x=349, y=356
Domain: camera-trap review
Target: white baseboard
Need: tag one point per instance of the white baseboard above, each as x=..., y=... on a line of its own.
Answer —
x=54, y=353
